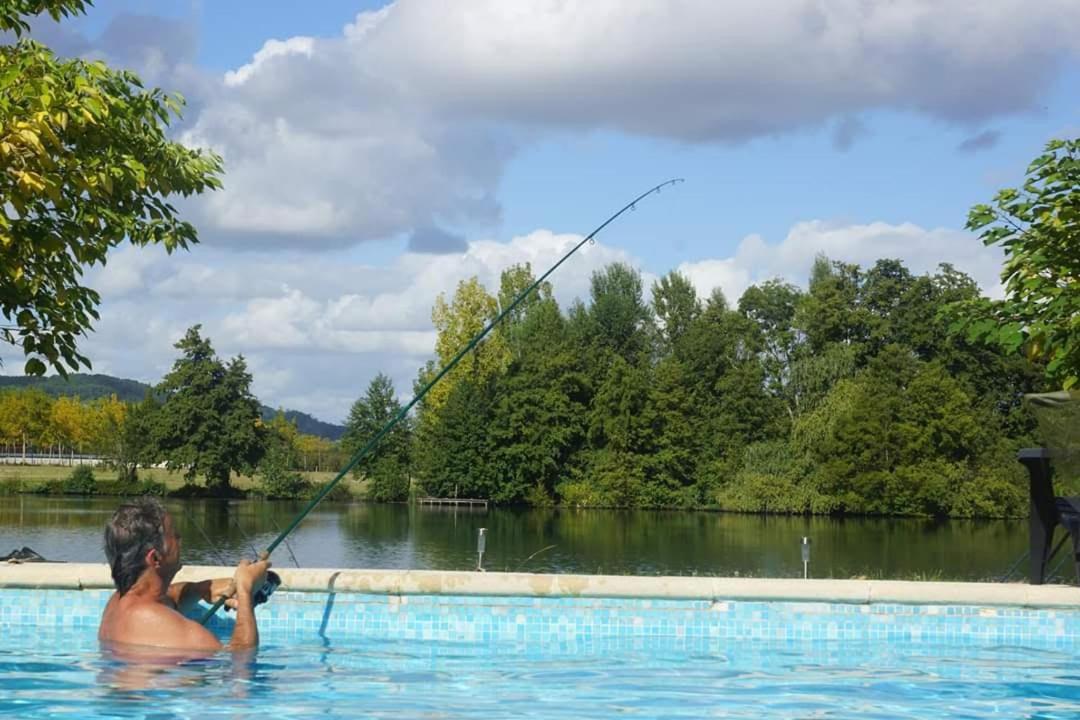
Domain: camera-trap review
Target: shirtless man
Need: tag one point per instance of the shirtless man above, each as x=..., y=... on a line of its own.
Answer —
x=143, y=549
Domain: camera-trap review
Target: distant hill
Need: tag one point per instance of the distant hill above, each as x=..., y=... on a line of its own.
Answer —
x=307, y=424
x=91, y=387
x=87, y=387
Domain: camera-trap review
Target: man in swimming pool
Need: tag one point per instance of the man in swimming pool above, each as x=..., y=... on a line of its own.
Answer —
x=143, y=549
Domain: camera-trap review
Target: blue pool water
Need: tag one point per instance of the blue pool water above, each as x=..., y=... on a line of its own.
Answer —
x=468, y=657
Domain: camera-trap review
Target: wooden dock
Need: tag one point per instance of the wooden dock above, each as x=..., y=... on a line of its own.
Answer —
x=453, y=502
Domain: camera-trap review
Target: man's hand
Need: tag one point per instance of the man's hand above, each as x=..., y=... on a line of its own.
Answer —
x=223, y=588
x=250, y=576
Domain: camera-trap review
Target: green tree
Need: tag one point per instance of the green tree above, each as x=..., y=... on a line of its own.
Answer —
x=514, y=281
x=832, y=311
x=387, y=466
x=209, y=422
x=456, y=449
x=882, y=291
x=136, y=443
x=722, y=354
x=771, y=306
x=539, y=413
x=277, y=468
x=87, y=164
x=620, y=321
x=676, y=306
x=1038, y=227
x=676, y=437
x=620, y=425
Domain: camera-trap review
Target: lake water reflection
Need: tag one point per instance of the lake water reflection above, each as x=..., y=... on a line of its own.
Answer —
x=585, y=541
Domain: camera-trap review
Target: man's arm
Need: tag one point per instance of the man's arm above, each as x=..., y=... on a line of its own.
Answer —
x=246, y=632
x=186, y=595
x=249, y=578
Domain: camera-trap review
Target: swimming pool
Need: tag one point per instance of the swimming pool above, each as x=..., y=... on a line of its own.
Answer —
x=482, y=647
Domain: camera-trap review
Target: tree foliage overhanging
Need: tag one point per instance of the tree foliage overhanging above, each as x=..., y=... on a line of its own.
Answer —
x=1038, y=227
x=84, y=165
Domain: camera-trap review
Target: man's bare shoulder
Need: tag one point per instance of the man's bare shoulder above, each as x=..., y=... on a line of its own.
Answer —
x=152, y=624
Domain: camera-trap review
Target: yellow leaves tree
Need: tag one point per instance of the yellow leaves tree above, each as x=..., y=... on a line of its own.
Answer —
x=32, y=421
x=24, y=418
x=84, y=165
x=318, y=453
x=458, y=322
x=67, y=423
x=105, y=423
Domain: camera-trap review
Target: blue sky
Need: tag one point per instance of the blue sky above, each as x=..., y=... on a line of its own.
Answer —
x=499, y=130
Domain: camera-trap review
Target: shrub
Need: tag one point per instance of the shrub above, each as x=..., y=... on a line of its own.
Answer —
x=128, y=483
x=80, y=482
x=388, y=481
x=772, y=477
x=277, y=480
x=339, y=493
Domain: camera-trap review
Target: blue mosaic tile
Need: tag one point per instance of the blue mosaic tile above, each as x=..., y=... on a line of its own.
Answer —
x=294, y=616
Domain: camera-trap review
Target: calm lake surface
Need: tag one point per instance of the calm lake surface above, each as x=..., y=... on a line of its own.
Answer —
x=584, y=541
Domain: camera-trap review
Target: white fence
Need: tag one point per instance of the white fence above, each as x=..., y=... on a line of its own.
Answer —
x=49, y=459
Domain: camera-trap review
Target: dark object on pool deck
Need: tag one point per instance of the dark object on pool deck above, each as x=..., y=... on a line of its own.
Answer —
x=1046, y=513
x=1058, y=416
x=23, y=555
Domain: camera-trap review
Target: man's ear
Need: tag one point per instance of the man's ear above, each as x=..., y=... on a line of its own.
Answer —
x=152, y=558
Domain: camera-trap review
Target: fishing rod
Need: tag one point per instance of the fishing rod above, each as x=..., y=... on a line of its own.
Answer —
x=632, y=205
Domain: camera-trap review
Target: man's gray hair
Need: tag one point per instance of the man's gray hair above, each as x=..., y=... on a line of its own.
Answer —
x=135, y=529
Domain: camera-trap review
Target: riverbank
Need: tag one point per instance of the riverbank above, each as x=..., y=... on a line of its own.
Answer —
x=82, y=481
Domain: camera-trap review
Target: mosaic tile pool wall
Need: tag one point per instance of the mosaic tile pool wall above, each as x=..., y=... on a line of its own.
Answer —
x=296, y=616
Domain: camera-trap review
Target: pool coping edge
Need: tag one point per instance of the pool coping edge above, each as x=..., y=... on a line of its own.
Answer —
x=94, y=576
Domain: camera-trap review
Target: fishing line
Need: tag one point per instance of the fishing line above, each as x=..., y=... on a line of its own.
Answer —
x=287, y=546
x=362, y=452
x=210, y=544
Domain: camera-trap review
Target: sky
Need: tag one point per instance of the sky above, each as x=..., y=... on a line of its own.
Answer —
x=377, y=154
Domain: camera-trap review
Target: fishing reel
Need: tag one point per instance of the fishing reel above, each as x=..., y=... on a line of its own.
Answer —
x=272, y=583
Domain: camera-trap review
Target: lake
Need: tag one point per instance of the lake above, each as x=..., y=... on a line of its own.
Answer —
x=546, y=540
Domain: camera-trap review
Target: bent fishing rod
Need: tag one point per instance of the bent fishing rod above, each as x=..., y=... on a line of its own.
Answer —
x=362, y=452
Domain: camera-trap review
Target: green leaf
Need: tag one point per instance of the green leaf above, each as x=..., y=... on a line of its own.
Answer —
x=34, y=367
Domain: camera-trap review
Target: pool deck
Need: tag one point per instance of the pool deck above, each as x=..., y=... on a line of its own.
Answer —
x=88, y=576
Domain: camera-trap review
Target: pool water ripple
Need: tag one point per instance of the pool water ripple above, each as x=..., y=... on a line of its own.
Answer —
x=63, y=673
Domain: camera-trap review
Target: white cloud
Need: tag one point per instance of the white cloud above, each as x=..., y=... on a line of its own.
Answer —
x=703, y=69
x=298, y=45
x=726, y=274
x=408, y=118
x=922, y=250
x=398, y=319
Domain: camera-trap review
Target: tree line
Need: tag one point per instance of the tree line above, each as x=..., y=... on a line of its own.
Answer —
x=852, y=396
x=200, y=420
